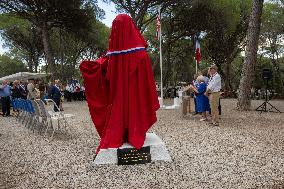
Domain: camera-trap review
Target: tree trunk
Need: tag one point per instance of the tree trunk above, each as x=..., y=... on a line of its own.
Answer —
x=35, y=61
x=47, y=50
x=244, y=101
x=30, y=62
x=61, y=55
x=226, y=75
x=167, y=76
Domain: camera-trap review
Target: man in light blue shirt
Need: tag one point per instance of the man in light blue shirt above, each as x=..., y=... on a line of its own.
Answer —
x=5, y=93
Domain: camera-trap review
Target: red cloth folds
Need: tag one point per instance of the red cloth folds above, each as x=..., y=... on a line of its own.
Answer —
x=120, y=89
x=96, y=90
x=124, y=34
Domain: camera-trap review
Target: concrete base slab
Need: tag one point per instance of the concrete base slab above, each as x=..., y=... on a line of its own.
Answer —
x=158, y=151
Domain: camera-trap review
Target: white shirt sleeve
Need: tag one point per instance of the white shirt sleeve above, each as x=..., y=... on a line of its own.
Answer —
x=214, y=84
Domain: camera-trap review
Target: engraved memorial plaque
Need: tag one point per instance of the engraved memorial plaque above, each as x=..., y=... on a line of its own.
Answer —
x=131, y=156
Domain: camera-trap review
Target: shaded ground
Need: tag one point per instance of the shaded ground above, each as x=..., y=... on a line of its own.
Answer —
x=246, y=151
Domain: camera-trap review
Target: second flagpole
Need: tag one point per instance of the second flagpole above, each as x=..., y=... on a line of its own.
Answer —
x=196, y=66
x=161, y=60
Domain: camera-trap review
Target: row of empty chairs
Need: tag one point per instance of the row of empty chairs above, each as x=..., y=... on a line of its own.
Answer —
x=36, y=114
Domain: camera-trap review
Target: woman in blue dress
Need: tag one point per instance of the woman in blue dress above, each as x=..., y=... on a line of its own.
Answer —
x=202, y=101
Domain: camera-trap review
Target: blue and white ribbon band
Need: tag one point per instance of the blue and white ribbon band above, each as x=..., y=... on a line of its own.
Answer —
x=111, y=53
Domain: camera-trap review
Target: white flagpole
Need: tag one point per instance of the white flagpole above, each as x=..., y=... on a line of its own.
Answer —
x=196, y=67
x=161, y=60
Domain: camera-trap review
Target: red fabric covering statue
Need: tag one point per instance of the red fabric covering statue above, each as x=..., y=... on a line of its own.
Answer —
x=120, y=88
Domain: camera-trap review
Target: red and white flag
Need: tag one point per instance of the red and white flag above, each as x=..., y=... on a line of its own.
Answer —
x=158, y=25
x=197, y=51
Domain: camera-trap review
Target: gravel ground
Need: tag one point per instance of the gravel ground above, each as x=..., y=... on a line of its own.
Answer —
x=246, y=151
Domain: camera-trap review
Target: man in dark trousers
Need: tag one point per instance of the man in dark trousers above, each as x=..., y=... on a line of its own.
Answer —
x=56, y=94
x=5, y=93
x=16, y=92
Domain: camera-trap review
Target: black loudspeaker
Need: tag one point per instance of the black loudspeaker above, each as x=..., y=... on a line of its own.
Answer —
x=264, y=107
x=266, y=73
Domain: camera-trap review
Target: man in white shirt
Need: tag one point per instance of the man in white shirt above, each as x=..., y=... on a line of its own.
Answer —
x=68, y=93
x=213, y=90
x=31, y=89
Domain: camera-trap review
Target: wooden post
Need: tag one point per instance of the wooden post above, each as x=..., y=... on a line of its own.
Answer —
x=185, y=105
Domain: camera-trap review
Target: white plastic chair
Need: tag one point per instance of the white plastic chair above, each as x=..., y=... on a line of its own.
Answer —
x=59, y=117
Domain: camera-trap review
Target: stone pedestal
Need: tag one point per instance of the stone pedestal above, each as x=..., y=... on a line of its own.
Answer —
x=177, y=102
x=158, y=151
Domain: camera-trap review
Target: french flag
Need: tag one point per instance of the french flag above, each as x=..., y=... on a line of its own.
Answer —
x=197, y=51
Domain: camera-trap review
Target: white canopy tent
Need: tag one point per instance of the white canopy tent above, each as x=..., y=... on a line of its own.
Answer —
x=24, y=76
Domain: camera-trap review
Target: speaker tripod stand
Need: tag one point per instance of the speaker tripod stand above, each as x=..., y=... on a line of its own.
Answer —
x=266, y=106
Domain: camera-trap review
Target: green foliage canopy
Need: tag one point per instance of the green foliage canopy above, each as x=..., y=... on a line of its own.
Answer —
x=10, y=66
